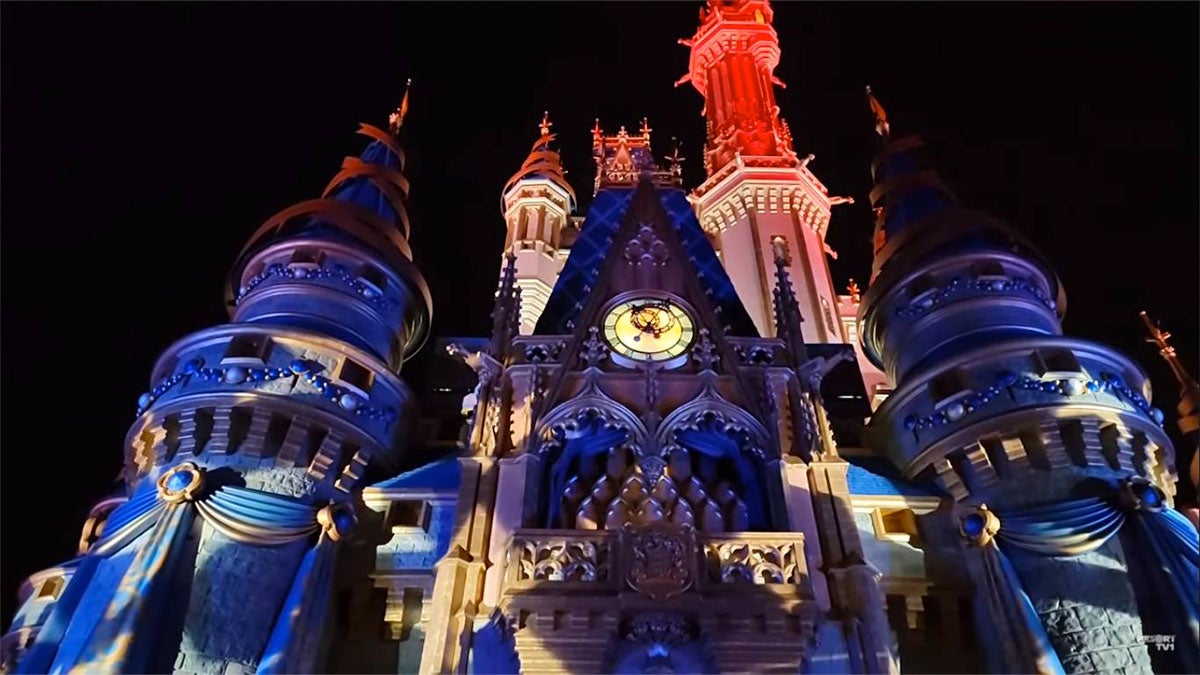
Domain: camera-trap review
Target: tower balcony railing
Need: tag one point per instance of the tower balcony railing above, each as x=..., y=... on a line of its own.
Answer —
x=658, y=560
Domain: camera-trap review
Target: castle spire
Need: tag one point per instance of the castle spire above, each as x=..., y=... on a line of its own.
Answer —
x=1188, y=408
x=788, y=320
x=881, y=121
x=733, y=58
x=1161, y=339
x=537, y=202
x=396, y=119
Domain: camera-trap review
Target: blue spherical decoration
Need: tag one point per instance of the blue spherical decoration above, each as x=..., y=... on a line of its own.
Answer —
x=1156, y=415
x=235, y=374
x=299, y=366
x=974, y=524
x=910, y=422
x=180, y=480
x=349, y=401
x=1150, y=496
x=145, y=400
x=343, y=520
x=1008, y=379
x=192, y=366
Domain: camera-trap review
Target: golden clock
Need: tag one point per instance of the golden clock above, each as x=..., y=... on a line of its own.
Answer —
x=648, y=329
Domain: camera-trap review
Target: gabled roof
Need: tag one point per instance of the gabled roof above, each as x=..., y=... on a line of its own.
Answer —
x=594, y=244
x=442, y=474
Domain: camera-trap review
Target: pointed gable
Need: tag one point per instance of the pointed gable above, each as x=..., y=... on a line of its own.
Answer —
x=598, y=242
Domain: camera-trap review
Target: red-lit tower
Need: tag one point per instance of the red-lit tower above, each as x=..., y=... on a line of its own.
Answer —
x=759, y=192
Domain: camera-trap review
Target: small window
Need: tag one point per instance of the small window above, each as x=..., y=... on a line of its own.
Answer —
x=251, y=350
x=407, y=515
x=897, y=524
x=921, y=285
x=1057, y=362
x=990, y=268
x=51, y=588
x=947, y=386
x=308, y=256
x=356, y=376
x=373, y=277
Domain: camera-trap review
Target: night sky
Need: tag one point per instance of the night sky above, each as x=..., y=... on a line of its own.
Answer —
x=142, y=145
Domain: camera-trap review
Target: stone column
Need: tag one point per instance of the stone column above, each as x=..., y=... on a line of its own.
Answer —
x=507, y=516
x=798, y=497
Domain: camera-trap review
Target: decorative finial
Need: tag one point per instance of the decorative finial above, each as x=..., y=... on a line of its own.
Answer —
x=855, y=294
x=396, y=119
x=881, y=123
x=597, y=132
x=1157, y=335
x=646, y=128
x=675, y=160
x=546, y=123
x=779, y=247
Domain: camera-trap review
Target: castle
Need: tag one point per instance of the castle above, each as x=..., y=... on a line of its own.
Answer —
x=683, y=451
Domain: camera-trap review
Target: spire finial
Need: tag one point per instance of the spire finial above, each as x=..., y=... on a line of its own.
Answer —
x=881, y=123
x=787, y=308
x=597, y=132
x=853, y=290
x=675, y=160
x=1161, y=338
x=396, y=119
x=646, y=128
x=546, y=123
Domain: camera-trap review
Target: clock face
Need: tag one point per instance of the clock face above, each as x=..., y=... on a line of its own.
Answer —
x=648, y=329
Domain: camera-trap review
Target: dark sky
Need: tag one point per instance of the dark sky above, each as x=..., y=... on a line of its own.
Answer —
x=142, y=144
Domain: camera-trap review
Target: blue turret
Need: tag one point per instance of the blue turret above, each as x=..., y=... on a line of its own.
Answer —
x=250, y=450
x=1043, y=443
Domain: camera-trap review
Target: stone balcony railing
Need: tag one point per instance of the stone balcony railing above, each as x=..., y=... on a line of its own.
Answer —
x=660, y=561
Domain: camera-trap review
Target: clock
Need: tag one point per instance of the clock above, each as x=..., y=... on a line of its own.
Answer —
x=648, y=329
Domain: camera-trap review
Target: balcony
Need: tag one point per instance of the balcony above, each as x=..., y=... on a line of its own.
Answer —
x=660, y=561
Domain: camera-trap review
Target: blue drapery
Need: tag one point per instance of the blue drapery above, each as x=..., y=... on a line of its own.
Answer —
x=124, y=634
x=1169, y=557
x=254, y=517
x=1066, y=528
x=594, y=439
x=129, y=520
x=720, y=445
x=1175, y=576
x=289, y=649
x=122, y=638
x=1000, y=594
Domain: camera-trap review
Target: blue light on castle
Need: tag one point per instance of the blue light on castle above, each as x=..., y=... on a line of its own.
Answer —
x=679, y=450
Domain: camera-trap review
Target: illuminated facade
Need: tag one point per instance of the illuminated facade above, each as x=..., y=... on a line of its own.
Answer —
x=665, y=464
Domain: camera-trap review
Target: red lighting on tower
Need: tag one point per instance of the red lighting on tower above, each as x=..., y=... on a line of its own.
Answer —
x=733, y=58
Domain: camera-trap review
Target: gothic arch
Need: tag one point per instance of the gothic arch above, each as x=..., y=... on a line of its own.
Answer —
x=587, y=430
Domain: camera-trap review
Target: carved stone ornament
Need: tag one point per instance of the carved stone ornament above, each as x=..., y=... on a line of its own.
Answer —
x=646, y=248
x=662, y=559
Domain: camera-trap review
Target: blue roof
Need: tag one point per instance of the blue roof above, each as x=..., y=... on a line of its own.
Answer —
x=592, y=247
x=440, y=475
x=361, y=191
x=877, y=476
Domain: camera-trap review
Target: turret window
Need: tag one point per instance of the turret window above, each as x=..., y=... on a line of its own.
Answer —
x=51, y=588
x=251, y=350
x=946, y=387
x=373, y=277
x=307, y=258
x=895, y=524
x=1057, y=363
x=407, y=515
x=356, y=376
